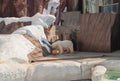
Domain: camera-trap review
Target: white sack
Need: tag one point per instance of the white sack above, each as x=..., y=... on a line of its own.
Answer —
x=51, y=3
x=15, y=47
x=43, y=20
x=98, y=73
x=13, y=72
x=112, y=65
x=35, y=31
x=9, y=20
x=66, y=71
x=37, y=19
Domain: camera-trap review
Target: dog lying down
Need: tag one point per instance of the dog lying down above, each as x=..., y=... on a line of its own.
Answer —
x=65, y=46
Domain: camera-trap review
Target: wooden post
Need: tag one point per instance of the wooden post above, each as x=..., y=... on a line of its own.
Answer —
x=97, y=6
x=84, y=6
x=25, y=7
x=119, y=7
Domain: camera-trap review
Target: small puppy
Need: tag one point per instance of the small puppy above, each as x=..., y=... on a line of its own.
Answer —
x=65, y=46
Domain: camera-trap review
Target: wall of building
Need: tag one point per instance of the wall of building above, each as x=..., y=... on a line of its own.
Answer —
x=97, y=6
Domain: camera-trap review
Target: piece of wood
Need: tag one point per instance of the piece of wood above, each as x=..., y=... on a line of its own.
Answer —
x=68, y=57
x=99, y=32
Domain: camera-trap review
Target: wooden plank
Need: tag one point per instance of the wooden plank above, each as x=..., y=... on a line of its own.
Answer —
x=80, y=56
x=99, y=32
x=68, y=57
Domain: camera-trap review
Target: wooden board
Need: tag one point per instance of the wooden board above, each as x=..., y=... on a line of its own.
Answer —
x=69, y=56
x=80, y=56
x=99, y=32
